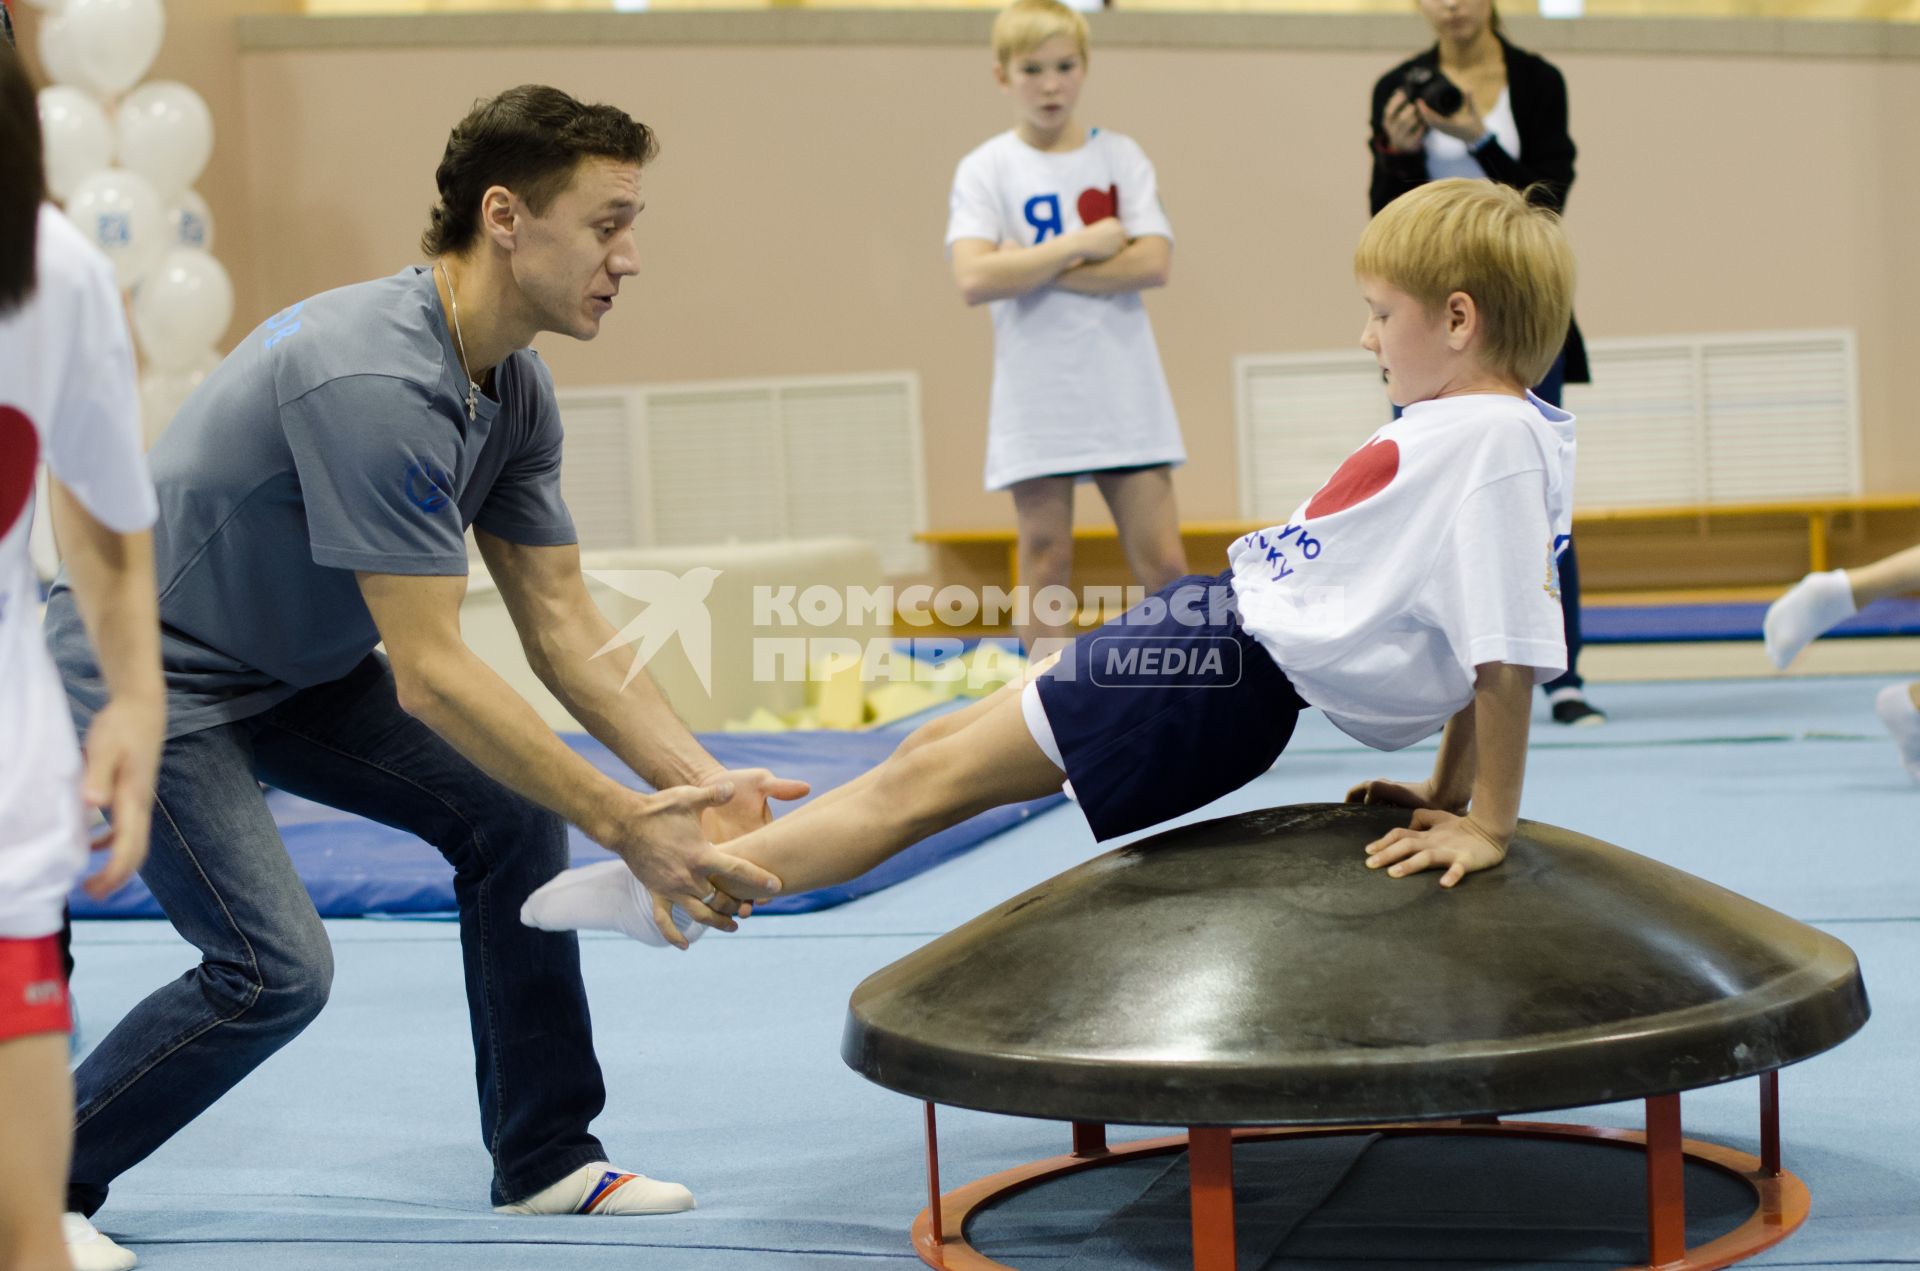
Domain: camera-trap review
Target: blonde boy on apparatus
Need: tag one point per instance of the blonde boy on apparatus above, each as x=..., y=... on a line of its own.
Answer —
x=1059, y=228
x=1432, y=535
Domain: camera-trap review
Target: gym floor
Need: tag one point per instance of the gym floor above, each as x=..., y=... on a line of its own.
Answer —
x=358, y=1144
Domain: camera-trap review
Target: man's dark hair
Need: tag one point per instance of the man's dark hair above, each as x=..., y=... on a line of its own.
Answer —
x=528, y=139
x=23, y=180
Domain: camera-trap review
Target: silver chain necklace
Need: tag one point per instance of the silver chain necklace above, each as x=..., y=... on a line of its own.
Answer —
x=473, y=385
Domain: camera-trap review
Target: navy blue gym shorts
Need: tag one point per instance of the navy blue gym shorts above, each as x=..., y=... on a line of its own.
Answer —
x=1166, y=708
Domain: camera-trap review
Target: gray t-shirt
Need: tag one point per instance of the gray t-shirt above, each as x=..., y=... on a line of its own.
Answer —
x=335, y=438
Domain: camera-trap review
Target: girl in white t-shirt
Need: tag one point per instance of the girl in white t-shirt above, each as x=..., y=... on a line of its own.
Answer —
x=67, y=395
x=1415, y=591
x=1060, y=229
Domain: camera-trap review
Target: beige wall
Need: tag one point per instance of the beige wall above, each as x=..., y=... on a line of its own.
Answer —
x=202, y=49
x=795, y=216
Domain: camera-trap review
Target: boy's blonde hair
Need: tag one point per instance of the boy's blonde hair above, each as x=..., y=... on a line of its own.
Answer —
x=1489, y=241
x=1025, y=25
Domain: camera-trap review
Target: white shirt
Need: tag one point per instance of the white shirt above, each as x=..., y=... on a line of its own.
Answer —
x=1077, y=384
x=68, y=396
x=1433, y=549
x=1448, y=157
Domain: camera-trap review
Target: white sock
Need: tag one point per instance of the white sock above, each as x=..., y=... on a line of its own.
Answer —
x=1897, y=711
x=1815, y=605
x=601, y=1188
x=603, y=897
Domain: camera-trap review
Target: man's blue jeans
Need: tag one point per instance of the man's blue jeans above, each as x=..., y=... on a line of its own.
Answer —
x=221, y=873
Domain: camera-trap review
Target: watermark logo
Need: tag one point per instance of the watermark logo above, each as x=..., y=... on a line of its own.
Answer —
x=675, y=607
x=1184, y=636
x=1119, y=661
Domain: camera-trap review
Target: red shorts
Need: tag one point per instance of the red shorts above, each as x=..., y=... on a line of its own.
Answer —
x=33, y=989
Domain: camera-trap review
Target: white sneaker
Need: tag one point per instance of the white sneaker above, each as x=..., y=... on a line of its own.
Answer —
x=601, y=1188
x=92, y=1251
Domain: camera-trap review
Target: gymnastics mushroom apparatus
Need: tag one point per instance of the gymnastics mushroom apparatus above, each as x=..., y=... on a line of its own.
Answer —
x=1248, y=979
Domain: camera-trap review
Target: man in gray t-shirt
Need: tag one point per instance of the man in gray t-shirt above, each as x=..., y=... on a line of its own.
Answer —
x=314, y=497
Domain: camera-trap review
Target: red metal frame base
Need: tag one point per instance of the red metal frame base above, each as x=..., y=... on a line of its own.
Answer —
x=1781, y=1199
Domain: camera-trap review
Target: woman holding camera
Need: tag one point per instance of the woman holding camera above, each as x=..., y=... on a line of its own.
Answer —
x=1475, y=106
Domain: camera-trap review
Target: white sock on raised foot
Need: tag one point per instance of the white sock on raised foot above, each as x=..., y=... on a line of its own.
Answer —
x=1812, y=607
x=602, y=1188
x=89, y=1250
x=603, y=897
x=1897, y=711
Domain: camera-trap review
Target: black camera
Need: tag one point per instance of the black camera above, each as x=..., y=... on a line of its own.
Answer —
x=1424, y=84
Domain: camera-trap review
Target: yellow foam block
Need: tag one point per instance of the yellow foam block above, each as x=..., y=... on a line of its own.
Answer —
x=838, y=693
x=761, y=721
x=888, y=702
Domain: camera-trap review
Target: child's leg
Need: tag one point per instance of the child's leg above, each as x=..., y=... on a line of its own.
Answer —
x=1820, y=602
x=1043, y=519
x=942, y=726
x=1895, y=575
x=1144, y=512
x=916, y=792
x=36, y=1107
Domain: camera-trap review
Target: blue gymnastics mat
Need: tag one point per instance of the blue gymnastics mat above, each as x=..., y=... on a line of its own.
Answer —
x=1655, y=624
x=355, y=868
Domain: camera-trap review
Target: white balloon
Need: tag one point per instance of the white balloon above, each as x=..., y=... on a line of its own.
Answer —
x=190, y=222
x=57, y=54
x=165, y=133
x=79, y=141
x=182, y=306
x=113, y=42
x=163, y=393
x=121, y=215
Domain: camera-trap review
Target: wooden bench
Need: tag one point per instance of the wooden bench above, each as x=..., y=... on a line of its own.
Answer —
x=1818, y=514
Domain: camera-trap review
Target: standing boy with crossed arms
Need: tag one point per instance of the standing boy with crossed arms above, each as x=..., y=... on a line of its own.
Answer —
x=1060, y=229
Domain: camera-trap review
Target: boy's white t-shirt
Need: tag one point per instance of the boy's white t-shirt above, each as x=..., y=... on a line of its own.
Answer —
x=67, y=396
x=1433, y=549
x=1077, y=384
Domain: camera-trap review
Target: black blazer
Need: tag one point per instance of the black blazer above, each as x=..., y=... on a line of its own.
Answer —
x=1539, y=98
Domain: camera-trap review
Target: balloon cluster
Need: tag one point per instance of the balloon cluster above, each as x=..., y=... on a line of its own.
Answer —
x=123, y=160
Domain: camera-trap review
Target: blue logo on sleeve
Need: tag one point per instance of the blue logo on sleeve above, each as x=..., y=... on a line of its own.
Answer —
x=428, y=488
x=282, y=324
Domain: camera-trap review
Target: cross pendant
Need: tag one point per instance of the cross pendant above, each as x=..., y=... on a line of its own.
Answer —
x=473, y=401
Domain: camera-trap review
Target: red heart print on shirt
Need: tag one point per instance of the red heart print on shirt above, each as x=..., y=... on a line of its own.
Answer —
x=1366, y=472
x=1098, y=205
x=19, y=455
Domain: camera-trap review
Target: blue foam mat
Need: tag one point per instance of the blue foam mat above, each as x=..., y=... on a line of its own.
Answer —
x=355, y=868
x=1650, y=624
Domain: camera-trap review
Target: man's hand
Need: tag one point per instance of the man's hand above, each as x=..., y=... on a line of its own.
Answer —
x=1438, y=840
x=1407, y=794
x=123, y=755
x=754, y=789
x=659, y=837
